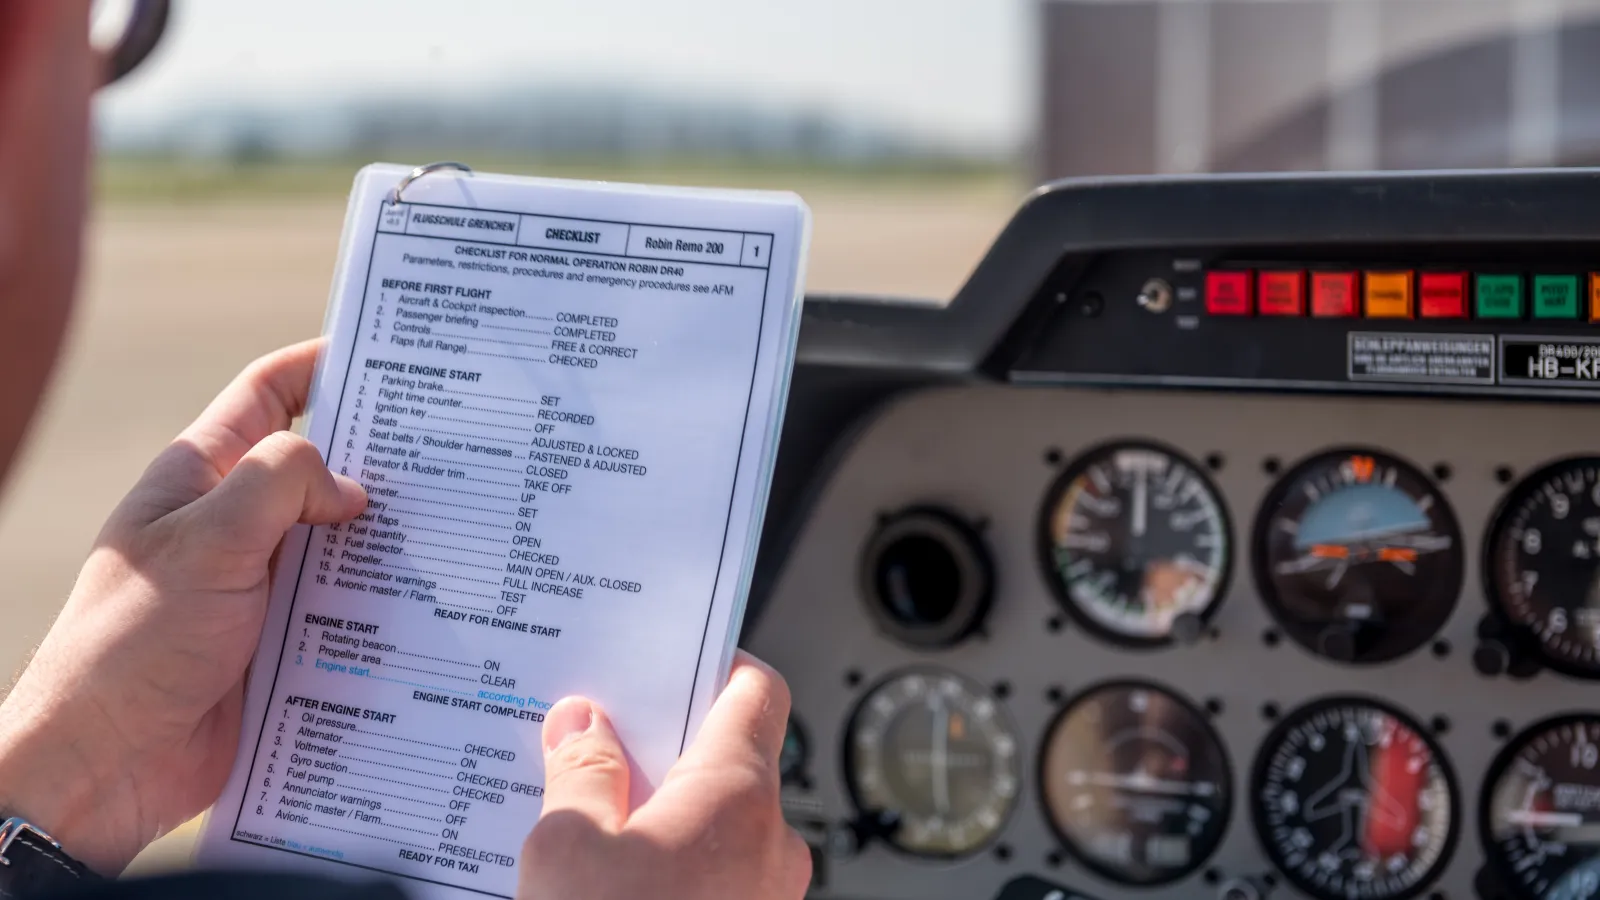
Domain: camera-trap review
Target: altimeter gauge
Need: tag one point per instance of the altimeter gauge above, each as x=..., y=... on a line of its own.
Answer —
x=1542, y=565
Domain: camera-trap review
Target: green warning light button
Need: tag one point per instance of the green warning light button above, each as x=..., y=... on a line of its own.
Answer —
x=1499, y=296
x=1555, y=296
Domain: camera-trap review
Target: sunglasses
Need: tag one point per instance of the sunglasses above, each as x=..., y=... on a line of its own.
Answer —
x=124, y=33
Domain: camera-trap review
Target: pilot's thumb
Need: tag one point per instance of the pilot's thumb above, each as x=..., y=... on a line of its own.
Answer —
x=281, y=481
x=585, y=769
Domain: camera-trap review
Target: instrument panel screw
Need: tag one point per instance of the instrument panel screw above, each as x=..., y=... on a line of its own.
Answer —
x=1092, y=305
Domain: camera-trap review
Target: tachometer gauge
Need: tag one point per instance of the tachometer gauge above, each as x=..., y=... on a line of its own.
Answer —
x=1541, y=811
x=1133, y=537
x=1358, y=556
x=1353, y=801
x=1542, y=564
x=1136, y=783
x=938, y=751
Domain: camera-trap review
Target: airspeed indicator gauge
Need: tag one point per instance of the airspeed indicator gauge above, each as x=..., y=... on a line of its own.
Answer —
x=1135, y=543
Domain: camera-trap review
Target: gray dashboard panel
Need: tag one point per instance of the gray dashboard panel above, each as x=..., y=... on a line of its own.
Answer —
x=980, y=450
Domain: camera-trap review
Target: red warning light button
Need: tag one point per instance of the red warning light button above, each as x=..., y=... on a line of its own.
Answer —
x=1281, y=294
x=1228, y=293
x=1333, y=294
x=1443, y=295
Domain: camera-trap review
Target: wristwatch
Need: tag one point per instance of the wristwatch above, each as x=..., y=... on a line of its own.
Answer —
x=32, y=864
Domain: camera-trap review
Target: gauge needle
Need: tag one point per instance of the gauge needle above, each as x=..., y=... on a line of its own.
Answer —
x=1539, y=818
x=1142, y=783
x=940, y=760
x=1141, y=492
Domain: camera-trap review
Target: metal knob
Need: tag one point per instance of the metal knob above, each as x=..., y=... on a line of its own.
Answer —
x=1491, y=658
x=1248, y=887
x=1155, y=296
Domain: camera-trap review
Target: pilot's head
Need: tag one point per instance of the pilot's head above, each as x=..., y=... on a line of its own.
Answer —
x=47, y=73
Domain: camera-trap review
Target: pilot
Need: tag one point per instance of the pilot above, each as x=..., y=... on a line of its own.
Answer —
x=125, y=723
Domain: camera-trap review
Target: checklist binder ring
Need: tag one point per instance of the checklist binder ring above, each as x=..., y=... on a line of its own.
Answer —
x=142, y=30
x=419, y=171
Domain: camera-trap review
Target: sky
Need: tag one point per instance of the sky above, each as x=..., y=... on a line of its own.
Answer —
x=952, y=69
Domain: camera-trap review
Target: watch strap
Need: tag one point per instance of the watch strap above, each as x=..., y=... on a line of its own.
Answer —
x=32, y=863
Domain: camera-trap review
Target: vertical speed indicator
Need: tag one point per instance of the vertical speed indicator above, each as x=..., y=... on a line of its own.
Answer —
x=1135, y=543
x=1540, y=815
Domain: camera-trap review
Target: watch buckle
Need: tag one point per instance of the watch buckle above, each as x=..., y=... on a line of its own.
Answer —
x=12, y=828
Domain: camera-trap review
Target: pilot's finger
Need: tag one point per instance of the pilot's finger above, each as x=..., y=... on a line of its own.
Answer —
x=750, y=716
x=281, y=481
x=262, y=399
x=585, y=768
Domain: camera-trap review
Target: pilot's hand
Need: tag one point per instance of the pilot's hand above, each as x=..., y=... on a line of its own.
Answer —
x=125, y=723
x=713, y=828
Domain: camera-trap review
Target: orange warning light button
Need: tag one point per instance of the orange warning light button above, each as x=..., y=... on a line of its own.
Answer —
x=1389, y=295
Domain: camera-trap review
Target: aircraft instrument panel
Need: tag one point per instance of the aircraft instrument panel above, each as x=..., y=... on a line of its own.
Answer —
x=1224, y=537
